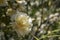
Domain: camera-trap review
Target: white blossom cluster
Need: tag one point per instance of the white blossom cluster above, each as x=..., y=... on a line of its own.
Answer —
x=54, y=17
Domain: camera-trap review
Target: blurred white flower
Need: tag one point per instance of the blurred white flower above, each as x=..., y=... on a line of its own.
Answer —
x=42, y=26
x=37, y=3
x=56, y=14
x=37, y=13
x=22, y=23
x=2, y=24
x=21, y=2
x=54, y=17
x=10, y=12
x=51, y=16
x=32, y=3
x=42, y=31
x=45, y=18
x=38, y=18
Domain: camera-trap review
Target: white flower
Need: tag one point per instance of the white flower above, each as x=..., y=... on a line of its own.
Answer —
x=22, y=2
x=42, y=26
x=32, y=3
x=22, y=23
x=51, y=16
x=37, y=3
x=56, y=14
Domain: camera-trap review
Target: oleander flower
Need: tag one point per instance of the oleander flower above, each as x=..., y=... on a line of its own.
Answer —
x=22, y=23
